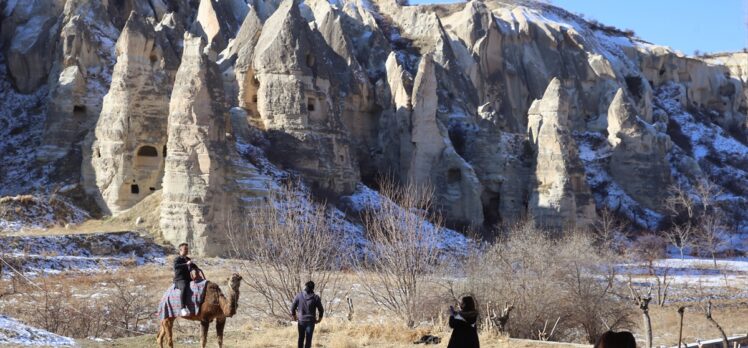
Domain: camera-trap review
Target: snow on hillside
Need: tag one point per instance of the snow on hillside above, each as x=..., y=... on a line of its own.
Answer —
x=595, y=152
x=79, y=252
x=13, y=332
x=367, y=199
x=721, y=157
x=21, y=126
x=37, y=212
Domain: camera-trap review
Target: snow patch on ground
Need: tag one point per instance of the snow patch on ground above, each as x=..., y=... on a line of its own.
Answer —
x=37, y=212
x=13, y=332
x=693, y=279
x=79, y=252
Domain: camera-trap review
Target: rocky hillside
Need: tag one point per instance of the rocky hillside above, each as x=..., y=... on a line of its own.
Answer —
x=507, y=108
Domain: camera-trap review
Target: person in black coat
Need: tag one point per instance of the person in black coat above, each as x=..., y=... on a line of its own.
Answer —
x=463, y=323
x=182, y=267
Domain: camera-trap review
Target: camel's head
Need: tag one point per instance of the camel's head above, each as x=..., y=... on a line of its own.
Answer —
x=234, y=281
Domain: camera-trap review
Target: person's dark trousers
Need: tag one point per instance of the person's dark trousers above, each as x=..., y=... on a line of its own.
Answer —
x=184, y=287
x=306, y=330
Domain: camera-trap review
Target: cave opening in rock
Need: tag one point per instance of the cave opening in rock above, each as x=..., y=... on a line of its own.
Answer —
x=458, y=136
x=454, y=175
x=491, y=205
x=310, y=104
x=134, y=189
x=79, y=111
x=147, y=151
x=634, y=84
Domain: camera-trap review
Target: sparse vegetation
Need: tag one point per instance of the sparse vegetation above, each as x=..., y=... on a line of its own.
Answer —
x=403, y=249
x=548, y=278
x=288, y=245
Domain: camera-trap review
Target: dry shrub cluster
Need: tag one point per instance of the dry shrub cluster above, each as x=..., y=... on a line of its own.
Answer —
x=549, y=279
x=289, y=241
x=402, y=252
x=118, y=309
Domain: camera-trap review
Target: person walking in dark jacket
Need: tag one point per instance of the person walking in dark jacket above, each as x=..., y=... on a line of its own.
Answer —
x=182, y=267
x=304, y=309
x=463, y=323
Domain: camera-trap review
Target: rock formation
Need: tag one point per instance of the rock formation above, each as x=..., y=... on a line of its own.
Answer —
x=507, y=110
x=638, y=163
x=560, y=196
x=194, y=194
x=128, y=153
x=295, y=101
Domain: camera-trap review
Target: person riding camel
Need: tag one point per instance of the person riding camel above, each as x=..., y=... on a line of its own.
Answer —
x=182, y=267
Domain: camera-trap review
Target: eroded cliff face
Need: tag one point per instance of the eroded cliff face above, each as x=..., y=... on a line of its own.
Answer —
x=506, y=110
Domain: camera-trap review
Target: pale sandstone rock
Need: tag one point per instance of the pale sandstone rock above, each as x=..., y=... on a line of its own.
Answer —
x=128, y=153
x=638, y=163
x=194, y=194
x=560, y=196
x=297, y=101
x=219, y=20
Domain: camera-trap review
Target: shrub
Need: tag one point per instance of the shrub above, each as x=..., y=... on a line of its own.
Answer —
x=566, y=279
x=402, y=250
x=290, y=241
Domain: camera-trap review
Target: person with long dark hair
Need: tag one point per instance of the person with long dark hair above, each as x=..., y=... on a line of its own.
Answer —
x=464, y=325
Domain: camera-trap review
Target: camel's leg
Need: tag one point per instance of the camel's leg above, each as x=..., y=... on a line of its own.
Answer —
x=220, y=324
x=160, y=336
x=169, y=328
x=204, y=333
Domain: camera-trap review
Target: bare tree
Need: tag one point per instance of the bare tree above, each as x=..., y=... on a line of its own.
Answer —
x=711, y=235
x=289, y=241
x=642, y=301
x=708, y=313
x=680, y=203
x=707, y=193
x=681, y=311
x=403, y=233
x=681, y=236
x=609, y=230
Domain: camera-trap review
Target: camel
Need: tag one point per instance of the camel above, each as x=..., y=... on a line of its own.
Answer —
x=215, y=306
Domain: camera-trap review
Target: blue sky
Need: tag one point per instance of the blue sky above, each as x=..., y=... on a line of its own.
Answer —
x=685, y=25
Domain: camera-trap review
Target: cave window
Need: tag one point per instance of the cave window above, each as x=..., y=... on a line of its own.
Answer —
x=164, y=151
x=256, y=81
x=69, y=43
x=148, y=151
x=634, y=84
x=453, y=175
x=310, y=104
x=254, y=98
x=662, y=72
x=134, y=189
x=309, y=60
x=152, y=189
x=153, y=58
x=79, y=111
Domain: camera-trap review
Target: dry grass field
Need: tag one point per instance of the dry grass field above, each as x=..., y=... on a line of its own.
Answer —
x=370, y=327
